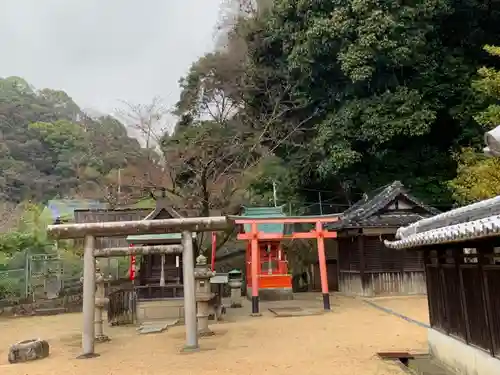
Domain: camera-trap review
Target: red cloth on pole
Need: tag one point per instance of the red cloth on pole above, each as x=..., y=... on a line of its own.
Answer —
x=214, y=247
x=132, y=266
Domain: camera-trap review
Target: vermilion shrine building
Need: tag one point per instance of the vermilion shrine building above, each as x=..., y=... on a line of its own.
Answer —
x=275, y=282
x=356, y=260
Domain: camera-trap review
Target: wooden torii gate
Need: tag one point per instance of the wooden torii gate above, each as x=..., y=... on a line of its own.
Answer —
x=89, y=231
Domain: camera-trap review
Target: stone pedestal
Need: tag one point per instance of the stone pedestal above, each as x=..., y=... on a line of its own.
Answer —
x=235, y=286
x=100, y=302
x=202, y=275
x=235, y=278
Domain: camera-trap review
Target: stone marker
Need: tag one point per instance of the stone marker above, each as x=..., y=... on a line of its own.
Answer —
x=28, y=350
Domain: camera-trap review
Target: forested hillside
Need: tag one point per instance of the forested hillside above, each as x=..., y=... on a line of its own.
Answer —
x=50, y=148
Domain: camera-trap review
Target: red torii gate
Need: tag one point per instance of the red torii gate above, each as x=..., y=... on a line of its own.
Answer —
x=319, y=233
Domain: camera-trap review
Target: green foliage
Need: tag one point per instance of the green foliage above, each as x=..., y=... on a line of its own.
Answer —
x=386, y=88
x=478, y=177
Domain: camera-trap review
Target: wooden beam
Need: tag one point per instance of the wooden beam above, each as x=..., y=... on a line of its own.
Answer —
x=137, y=250
x=124, y=228
x=285, y=220
x=281, y=236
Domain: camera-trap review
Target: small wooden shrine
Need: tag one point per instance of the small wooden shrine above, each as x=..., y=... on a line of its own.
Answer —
x=366, y=266
x=158, y=275
x=274, y=281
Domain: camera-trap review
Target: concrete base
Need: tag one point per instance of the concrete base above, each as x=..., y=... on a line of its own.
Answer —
x=459, y=357
x=88, y=356
x=205, y=333
x=273, y=294
x=102, y=338
x=190, y=349
x=163, y=309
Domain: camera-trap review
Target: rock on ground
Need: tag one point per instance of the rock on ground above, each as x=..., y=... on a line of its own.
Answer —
x=28, y=350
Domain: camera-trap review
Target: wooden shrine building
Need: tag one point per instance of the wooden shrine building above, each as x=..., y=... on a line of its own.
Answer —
x=158, y=278
x=461, y=250
x=366, y=267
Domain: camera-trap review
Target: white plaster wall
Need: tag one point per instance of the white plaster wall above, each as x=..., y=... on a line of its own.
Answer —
x=459, y=357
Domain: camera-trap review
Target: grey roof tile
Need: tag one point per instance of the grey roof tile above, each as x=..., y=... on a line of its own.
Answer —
x=366, y=211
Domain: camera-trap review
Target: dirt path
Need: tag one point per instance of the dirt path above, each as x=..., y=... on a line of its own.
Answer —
x=343, y=342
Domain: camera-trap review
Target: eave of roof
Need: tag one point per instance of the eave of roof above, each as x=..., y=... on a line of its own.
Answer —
x=472, y=230
x=476, y=211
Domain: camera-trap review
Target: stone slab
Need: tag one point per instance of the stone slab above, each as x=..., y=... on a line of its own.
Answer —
x=155, y=327
x=285, y=312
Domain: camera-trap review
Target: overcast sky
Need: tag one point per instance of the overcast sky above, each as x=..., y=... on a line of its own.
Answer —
x=103, y=51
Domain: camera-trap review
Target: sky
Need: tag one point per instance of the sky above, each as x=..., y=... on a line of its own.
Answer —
x=103, y=51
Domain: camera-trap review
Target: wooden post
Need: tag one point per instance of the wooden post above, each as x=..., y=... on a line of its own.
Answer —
x=482, y=260
x=360, y=240
x=88, y=335
x=322, y=266
x=189, y=292
x=162, y=271
x=458, y=254
x=255, y=269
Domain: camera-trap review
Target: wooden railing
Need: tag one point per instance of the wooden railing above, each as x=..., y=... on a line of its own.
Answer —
x=123, y=302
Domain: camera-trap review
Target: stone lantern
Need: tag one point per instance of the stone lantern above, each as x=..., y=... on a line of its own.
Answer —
x=100, y=302
x=235, y=278
x=202, y=275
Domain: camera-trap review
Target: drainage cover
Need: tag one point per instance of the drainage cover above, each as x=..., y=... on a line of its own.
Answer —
x=419, y=364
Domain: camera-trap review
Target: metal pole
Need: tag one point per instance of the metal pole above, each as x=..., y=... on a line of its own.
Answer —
x=189, y=292
x=27, y=273
x=88, y=335
x=119, y=192
x=320, y=204
x=275, y=198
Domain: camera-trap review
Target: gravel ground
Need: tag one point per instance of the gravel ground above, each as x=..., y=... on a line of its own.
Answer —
x=412, y=307
x=343, y=342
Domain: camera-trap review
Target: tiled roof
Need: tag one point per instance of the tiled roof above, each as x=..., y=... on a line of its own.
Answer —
x=162, y=207
x=485, y=227
x=161, y=238
x=263, y=213
x=390, y=220
x=470, y=222
x=65, y=208
x=483, y=209
x=364, y=212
